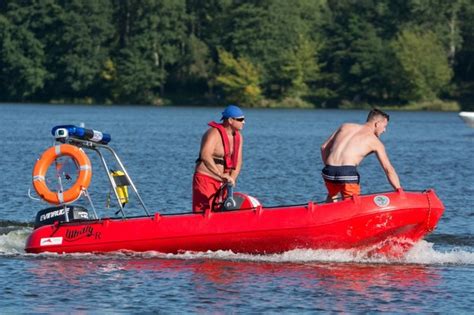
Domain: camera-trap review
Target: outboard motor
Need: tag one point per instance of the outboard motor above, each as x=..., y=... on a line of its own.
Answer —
x=50, y=215
x=241, y=201
x=233, y=201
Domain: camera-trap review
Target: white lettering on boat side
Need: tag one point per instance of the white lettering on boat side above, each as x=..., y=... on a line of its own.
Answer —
x=51, y=214
x=48, y=241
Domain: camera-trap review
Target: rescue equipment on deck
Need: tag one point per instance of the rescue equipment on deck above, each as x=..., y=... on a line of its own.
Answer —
x=41, y=168
x=63, y=132
x=122, y=183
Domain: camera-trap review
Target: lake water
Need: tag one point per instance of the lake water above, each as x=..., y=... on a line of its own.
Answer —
x=281, y=166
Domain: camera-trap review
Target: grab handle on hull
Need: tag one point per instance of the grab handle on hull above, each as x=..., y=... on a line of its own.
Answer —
x=311, y=206
x=401, y=192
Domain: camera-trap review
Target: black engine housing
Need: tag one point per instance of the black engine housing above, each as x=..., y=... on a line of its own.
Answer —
x=50, y=215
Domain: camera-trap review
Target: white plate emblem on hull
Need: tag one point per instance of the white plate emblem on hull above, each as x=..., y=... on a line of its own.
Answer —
x=48, y=241
x=381, y=200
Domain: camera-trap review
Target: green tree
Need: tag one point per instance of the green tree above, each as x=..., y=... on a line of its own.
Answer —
x=356, y=54
x=45, y=20
x=465, y=57
x=84, y=47
x=442, y=18
x=75, y=36
x=195, y=70
x=423, y=70
x=206, y=19
x=129, y=51
x=22, y=71
x=301, y=68
x=266, y=32
x=369, y=73
x=150, y=40
x=239, y=79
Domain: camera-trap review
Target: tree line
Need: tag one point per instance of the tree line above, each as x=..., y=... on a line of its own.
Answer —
x=316, y=53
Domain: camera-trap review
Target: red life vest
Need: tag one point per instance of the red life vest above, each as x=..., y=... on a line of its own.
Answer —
x=230, y=160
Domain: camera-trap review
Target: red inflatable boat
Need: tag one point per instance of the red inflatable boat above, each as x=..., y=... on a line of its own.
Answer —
x=381, y=221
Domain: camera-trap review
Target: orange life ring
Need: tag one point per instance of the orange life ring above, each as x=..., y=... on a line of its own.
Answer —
x=42, y=165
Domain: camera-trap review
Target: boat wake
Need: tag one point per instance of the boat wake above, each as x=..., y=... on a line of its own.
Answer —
x=12, y=239
x=421, y=253
x=13, y=236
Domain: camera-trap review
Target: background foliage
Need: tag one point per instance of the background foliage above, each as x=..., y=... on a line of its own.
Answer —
x=321, y=53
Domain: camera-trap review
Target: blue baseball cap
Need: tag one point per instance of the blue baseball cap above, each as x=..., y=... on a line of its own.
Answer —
x=232, y=111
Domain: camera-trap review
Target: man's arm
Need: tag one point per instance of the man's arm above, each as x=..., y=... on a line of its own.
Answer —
x=386, y=165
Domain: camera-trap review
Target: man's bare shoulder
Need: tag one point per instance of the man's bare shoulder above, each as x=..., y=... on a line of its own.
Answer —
x=348, y=126
x=211, y=134
x=375, y=143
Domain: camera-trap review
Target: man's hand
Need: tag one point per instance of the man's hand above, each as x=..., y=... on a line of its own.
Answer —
x=228, y=179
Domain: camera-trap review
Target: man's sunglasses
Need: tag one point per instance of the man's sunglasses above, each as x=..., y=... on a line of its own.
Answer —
x=241, y=119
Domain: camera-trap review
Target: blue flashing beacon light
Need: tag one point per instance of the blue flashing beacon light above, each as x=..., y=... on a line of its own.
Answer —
x=64, y=131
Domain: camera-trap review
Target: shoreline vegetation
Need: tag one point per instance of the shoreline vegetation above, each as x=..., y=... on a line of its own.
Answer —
x=436, y=105
x=413, y=55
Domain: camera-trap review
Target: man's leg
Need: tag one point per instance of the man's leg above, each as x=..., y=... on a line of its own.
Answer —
x=204, y=188
x=349, y=190
x=333, y=191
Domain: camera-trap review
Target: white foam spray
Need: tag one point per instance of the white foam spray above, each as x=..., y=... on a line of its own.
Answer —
x=423, y=252
x=13, y=243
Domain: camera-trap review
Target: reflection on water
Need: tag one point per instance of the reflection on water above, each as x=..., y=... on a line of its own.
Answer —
x=307, y=286
x=295, y=281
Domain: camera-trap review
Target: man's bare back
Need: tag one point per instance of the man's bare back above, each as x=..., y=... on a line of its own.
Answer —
x=349, y=145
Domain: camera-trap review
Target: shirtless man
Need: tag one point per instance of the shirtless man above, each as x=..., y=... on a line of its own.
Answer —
x=347, y=147
x=220, y=157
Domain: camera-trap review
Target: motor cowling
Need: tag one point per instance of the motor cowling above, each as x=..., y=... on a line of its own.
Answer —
x=52, y=214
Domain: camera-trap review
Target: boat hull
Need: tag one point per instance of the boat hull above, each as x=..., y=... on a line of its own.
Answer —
x=359, y=222
x=468, y=118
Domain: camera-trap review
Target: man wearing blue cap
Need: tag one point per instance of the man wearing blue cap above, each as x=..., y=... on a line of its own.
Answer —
x=220, y=157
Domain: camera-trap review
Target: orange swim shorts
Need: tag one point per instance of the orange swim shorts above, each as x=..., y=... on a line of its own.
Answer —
x=347, y=189
x=342, y=179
